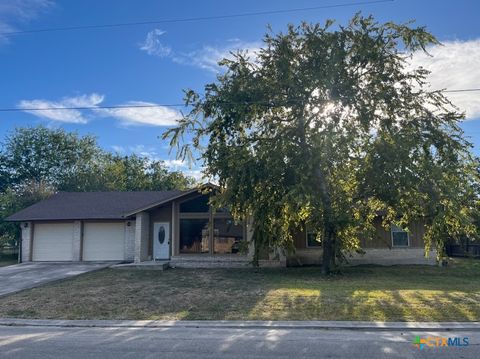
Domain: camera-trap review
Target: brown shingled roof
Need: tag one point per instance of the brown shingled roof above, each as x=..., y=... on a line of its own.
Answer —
x=92, y=205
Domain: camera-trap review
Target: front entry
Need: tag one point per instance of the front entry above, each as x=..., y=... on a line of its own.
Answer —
x=161, y=240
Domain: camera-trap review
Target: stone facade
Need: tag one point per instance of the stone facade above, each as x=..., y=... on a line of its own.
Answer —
x=379, y=256
x=379, y=249
x=27, y=231
x=142, y=237
x=394, y=256
x=129, y=240
x=77, y=241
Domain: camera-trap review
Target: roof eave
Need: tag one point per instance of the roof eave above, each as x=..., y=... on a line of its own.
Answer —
x=160, y=203
x=37, y=219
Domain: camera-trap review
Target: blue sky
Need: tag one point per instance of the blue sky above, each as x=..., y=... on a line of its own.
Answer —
x=153, y=63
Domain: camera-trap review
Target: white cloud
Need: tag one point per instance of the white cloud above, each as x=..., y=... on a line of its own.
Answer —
x=175, y=164
x=153, y=116
x=118, y=149
x=196, y=174
x=63, y=115
x=153, y=46
x=207, y=58
x=191, y=170
x=455, y=65
x=151, y=153
x=135, y=115
x=145, y=151
x=140, y=150
x=183, y=166
x=16, y=12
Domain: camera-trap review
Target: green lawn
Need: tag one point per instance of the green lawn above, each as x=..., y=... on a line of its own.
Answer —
x=408, y=293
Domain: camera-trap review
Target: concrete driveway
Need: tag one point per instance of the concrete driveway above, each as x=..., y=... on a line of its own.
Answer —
x=28, y=275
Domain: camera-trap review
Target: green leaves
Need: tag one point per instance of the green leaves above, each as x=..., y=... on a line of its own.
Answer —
x=36, y=162
x=328, y=127
x=42, y=154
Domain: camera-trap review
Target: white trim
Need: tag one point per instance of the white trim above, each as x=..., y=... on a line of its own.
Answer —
x=180, y=195
x=160, y=251
x=156, y=204
x=394, y=228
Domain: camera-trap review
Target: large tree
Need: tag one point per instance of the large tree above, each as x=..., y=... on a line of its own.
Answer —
x=328, y=126
x=131, y=173
x=40, y=154
x=66, y=161
x=35, y=162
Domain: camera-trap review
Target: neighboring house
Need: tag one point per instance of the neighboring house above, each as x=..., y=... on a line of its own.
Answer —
x=175, y=226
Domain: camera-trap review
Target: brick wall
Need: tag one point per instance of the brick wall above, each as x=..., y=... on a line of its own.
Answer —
x=129, y=240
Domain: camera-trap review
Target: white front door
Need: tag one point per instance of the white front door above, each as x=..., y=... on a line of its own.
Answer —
x=161, y=240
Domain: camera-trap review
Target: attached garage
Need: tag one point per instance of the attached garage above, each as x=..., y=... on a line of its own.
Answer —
x=103, y=241
x=53, y=242
x=89, y=226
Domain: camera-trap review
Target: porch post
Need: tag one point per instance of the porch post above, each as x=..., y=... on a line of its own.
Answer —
x=77, y=240
x=174, y=236
x=141, y=236
x=130, y=240
x=26, y=242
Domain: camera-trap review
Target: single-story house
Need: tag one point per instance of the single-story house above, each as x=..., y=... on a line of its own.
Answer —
x=175, y=226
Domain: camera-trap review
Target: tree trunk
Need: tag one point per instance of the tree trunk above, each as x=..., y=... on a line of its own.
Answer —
x=328, y=240
x=328, y=257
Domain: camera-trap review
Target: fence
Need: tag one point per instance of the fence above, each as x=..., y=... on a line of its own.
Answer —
x=463, y=250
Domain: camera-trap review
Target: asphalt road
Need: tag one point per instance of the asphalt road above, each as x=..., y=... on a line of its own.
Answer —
x=198, y=343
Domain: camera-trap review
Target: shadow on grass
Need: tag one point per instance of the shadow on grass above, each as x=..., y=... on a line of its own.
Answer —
x=413, y=293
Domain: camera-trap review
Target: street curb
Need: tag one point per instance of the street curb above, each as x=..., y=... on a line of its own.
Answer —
x=226, y=324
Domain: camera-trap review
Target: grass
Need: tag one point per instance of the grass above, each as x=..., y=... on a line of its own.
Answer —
x=400, y=293
x=7, y=260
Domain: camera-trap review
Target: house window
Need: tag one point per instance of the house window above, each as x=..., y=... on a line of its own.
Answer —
x=227, y=236
x=194, y=235
x=399, y=237
x=196, y=205
x=313, y=239
x=205, y=230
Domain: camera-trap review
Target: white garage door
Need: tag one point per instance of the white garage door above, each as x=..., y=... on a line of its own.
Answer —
x=103, y=241
x=52, y=242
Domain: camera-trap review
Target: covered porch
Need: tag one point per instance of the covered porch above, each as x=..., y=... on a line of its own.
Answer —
x=187, y=232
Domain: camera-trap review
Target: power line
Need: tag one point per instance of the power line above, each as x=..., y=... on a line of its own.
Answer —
x=88, y=107
x=192, y=19
x=107, y=107
x=463, y=90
